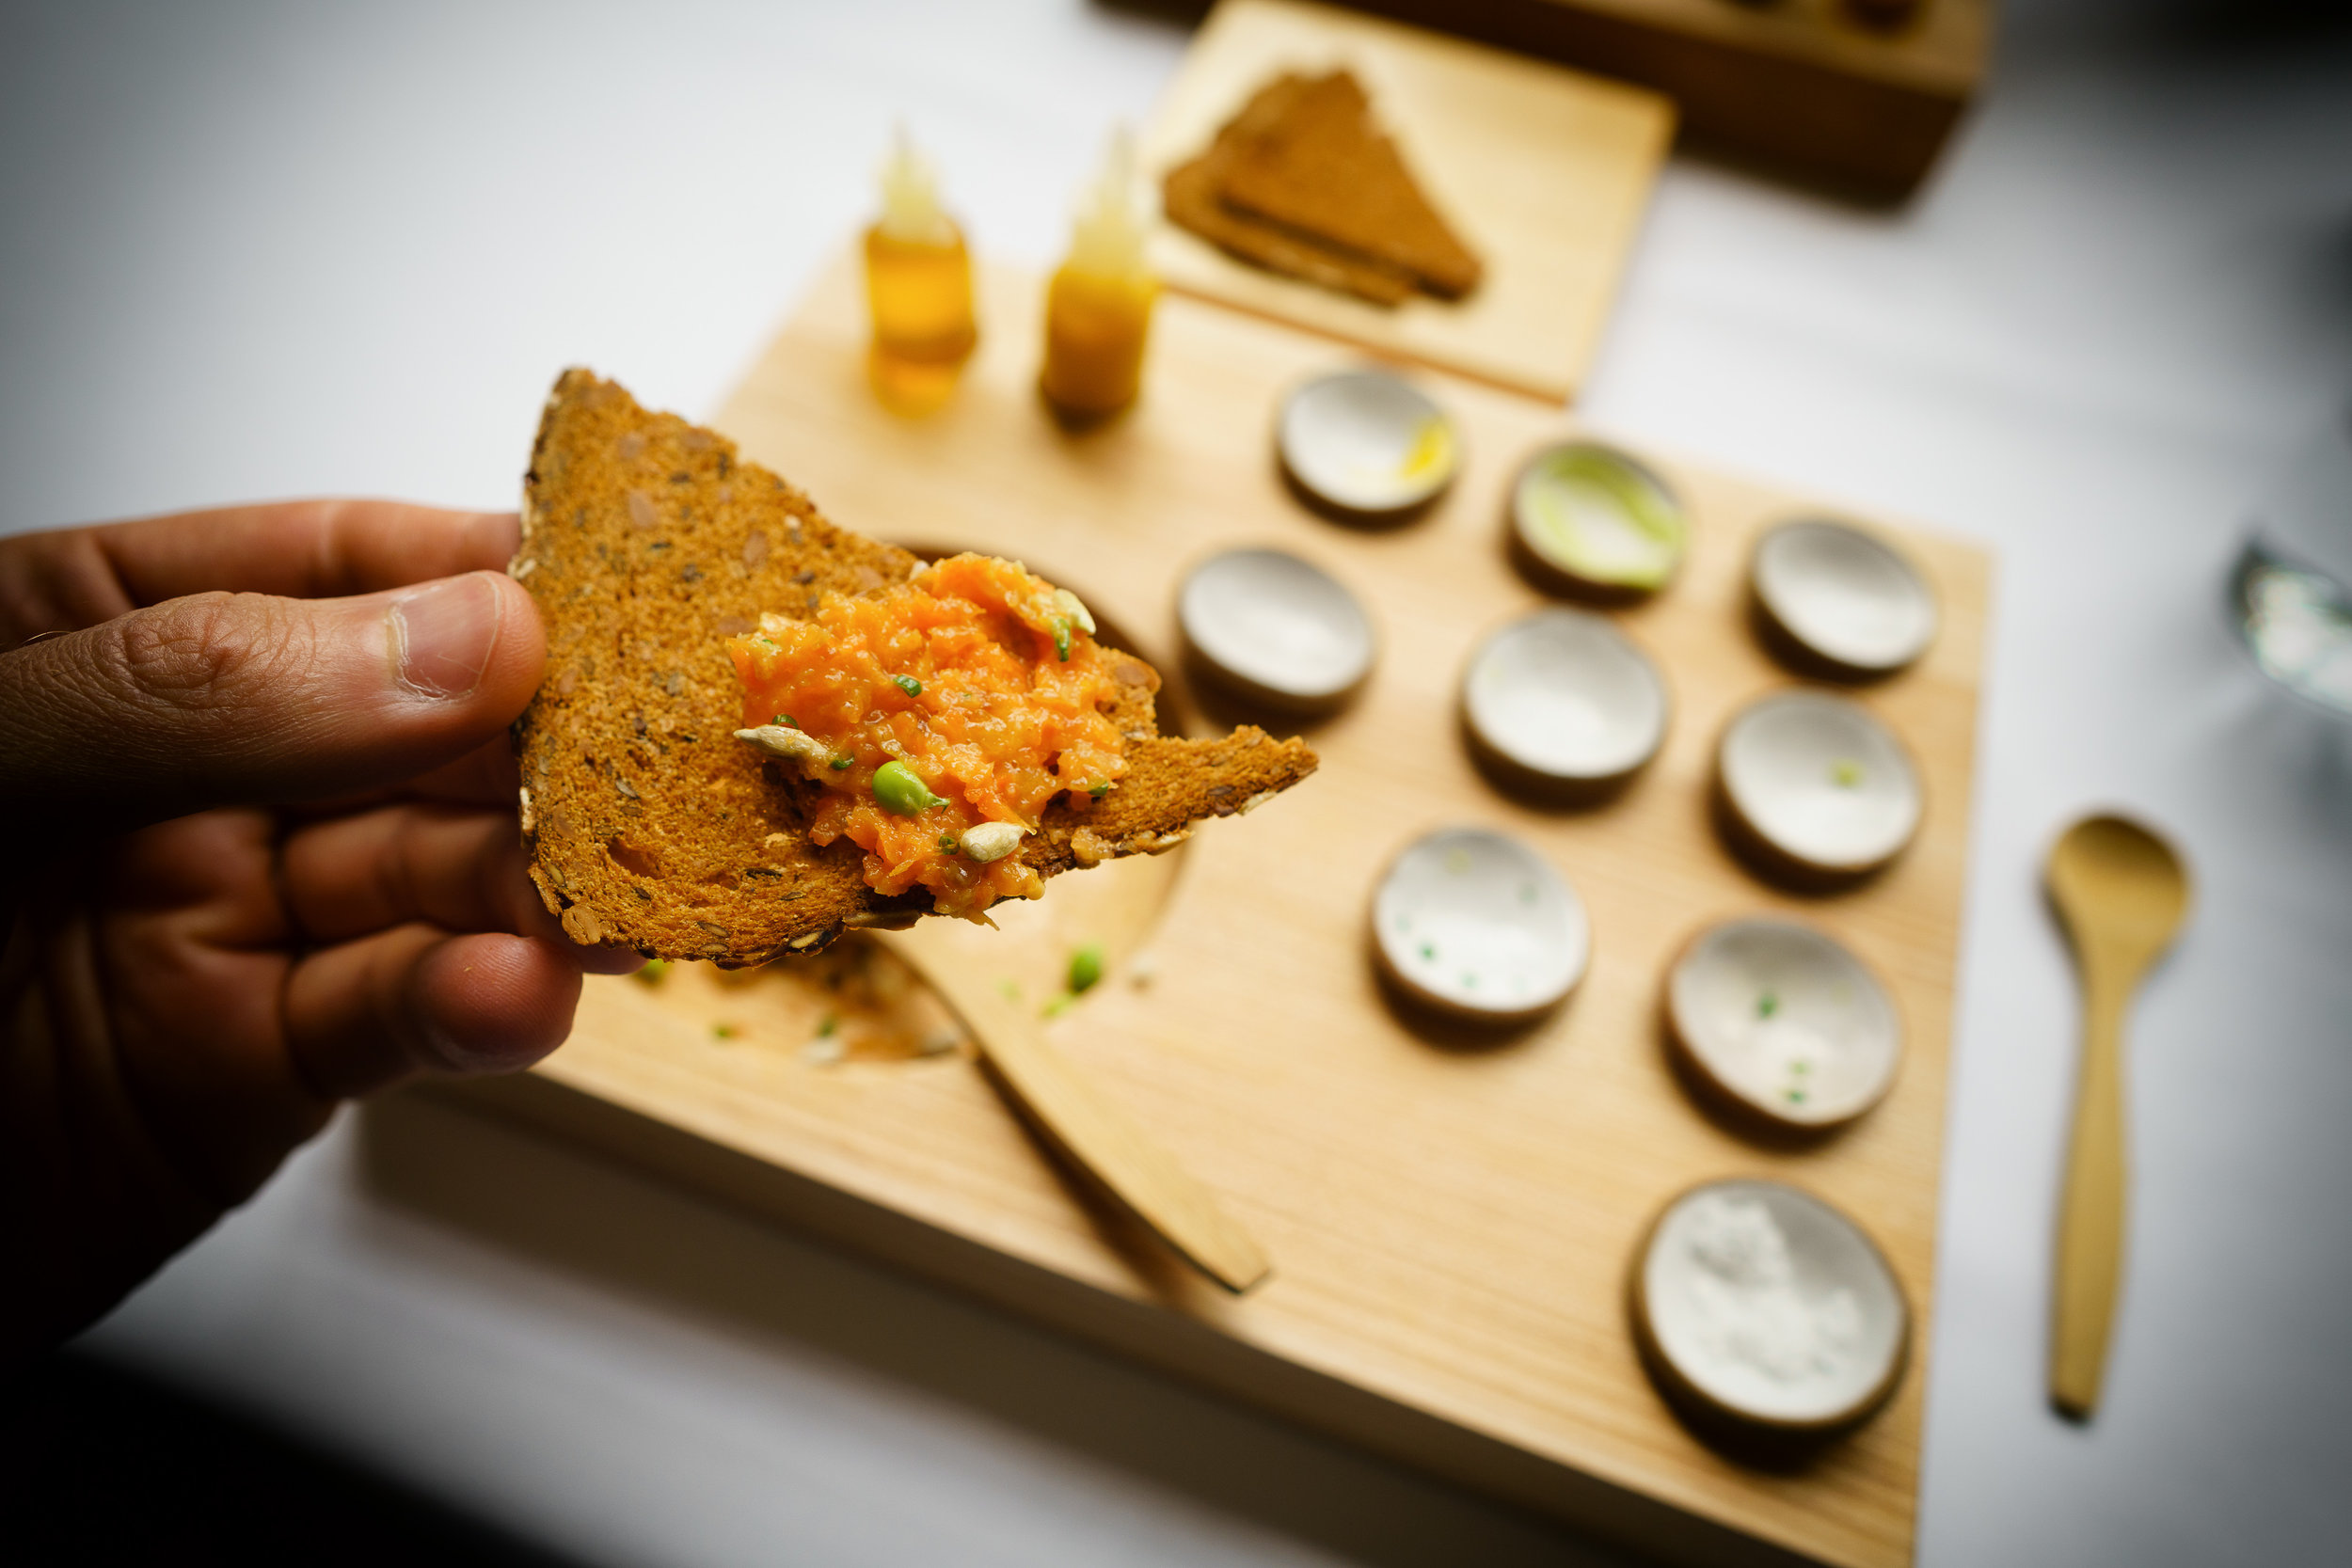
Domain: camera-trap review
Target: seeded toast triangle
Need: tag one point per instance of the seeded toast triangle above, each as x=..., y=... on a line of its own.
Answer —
x=646, y=542
x=1323, y=167
x=1193, y=197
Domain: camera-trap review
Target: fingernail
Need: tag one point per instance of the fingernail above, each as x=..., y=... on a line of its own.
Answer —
x=443, y=634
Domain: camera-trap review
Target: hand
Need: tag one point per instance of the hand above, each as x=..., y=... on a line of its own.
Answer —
x=267, y=859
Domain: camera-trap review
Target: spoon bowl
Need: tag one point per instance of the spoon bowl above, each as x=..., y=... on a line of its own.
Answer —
x=2117, y=884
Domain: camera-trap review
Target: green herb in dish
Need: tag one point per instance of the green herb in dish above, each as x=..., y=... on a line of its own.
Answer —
x=839, y=764
x=907, y=684
x=1086, y=968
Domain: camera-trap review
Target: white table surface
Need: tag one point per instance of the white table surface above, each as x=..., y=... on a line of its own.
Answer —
x=253, y=251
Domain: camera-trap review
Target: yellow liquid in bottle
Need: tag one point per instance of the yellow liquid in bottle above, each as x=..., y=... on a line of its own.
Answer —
x=1098, y=309
x=920, y=292
x=1096, y=328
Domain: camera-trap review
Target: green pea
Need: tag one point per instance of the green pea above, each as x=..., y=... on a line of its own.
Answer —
x=1086, y=968
x=907, y=684
x=785, y=719
x=900, y=792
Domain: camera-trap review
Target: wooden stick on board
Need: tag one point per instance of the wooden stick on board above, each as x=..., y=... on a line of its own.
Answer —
x=1096, y=1134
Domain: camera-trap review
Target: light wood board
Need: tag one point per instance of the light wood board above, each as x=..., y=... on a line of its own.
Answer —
x=1450, y=1227
x=1545, y=172
x=1800, y=84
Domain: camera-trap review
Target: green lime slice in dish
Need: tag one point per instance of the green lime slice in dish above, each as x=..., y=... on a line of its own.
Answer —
x=1599, y=518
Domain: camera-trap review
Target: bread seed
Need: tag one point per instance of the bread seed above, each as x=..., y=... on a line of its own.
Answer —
x=991, y=841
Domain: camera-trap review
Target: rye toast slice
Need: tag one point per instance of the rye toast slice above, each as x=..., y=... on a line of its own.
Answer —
x=1323, y=167
x=1192, y=194
x=646, y=542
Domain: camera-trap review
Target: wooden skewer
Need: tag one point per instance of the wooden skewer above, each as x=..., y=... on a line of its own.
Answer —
x=1096, y=1133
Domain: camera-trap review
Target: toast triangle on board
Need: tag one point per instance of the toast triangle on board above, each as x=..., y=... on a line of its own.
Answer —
x=646, y=542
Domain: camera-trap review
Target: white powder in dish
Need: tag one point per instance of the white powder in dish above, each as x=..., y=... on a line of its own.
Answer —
x=1746, y=1305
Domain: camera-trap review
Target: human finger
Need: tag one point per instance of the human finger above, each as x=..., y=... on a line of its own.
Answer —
x=223, y=698
x=416, y=1000
x=456, y=867
x=485, y=776
x=459, y=868
x=69, y=579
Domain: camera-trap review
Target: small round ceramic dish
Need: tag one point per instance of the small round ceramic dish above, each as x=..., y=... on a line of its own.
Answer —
x=1276, y=630
x=1758, y=1303
x=1565, y=697
x=1479, y=926
x=1784, y=1020
x=1843, y=595
x=1366, y=442
x=1819, y=782
x=1592, y=518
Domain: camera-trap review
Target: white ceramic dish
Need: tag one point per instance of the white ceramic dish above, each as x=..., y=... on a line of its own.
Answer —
x=1843, y=594
x=1564, y=695
x=1276, y=629
x=1767, y=1305
x=1820, y=780
x=1478, y=925
x=1785, y=1020
x=1367, y=441
x=1598, y=518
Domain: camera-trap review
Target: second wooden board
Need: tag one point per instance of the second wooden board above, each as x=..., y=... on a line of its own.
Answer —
x=1546, y=172
x=1451, y=1218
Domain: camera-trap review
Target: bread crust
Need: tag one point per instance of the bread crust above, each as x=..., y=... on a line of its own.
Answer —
x=646, y=542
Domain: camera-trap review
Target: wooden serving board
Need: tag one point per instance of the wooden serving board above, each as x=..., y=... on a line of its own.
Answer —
x=1545, y=172
x=1450, y=1224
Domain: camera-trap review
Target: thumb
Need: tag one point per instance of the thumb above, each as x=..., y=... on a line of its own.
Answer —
x=248, y=698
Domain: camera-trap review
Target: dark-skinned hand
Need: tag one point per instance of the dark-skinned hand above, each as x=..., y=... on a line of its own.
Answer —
x=267, y=861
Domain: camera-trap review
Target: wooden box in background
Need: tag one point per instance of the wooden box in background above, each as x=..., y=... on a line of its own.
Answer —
x=1799, y=85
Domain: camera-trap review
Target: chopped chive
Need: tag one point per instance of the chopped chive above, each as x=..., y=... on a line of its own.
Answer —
x=1767, y=1004
x=654, y=970
x=1061, y=638
x=787, y=721
x=947, y=842
x=1099, y=790
x=722, y=1031
x=907, y=684
x=1086, y=968
x=839, y=764
x=826, y=1024
x=1056, y=1006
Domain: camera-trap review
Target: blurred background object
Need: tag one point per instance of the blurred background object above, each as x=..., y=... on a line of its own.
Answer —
x=2291, y=590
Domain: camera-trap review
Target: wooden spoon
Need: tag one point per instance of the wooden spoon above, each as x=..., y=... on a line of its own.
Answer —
x=1095, y=1135
x=2122, y=892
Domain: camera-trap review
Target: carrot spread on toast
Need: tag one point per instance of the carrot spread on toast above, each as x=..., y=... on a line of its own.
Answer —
x=940, y=715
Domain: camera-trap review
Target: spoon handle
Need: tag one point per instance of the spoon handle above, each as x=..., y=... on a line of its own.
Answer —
x=1095, y=1135
x=2090, y=1214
